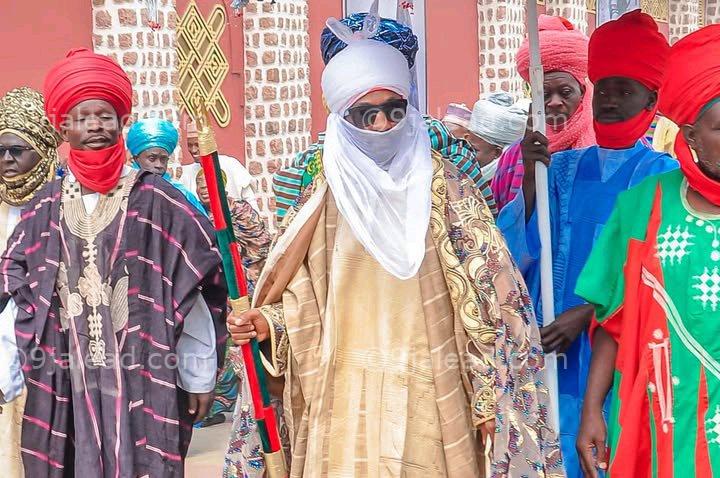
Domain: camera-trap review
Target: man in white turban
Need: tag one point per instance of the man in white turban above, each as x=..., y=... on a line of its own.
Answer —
x=495, y=124
x=390, y=304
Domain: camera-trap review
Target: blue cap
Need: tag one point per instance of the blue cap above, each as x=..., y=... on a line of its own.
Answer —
x=152, y=133
x=391, y=32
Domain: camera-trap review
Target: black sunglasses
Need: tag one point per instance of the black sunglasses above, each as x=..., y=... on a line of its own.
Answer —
x=15, y=151
x=364, y=116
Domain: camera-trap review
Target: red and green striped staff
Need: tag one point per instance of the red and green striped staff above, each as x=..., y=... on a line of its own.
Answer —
x=239, y=300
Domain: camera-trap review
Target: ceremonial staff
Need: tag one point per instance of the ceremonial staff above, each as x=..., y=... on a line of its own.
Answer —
x=543, y=207
x=240, y=302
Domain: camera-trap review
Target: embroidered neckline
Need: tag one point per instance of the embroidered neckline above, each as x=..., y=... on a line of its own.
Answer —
x=690, y=209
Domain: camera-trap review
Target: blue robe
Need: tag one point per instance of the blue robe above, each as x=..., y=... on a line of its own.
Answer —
x=583, y=186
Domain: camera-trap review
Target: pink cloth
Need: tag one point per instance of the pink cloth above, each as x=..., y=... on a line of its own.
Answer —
x=508, y=178
x=562, y=48
x=565, y=49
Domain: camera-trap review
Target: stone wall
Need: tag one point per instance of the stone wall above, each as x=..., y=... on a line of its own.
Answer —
x=573, y=10
x=277, y=91
x=120, y=30
x=684, y=18
x=501, y=29
x=712, y=11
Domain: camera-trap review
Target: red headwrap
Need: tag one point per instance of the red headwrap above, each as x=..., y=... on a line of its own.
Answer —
x=629, y=47
x=694, y=82
x=83, y=76
x=563, y=49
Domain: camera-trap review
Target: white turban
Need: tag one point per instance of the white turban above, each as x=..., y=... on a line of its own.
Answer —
x=499, y=121
x=363, y=66
x=380, y=179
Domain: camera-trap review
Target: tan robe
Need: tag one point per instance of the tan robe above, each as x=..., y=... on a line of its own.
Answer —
x=391, y=378
x=12, y=413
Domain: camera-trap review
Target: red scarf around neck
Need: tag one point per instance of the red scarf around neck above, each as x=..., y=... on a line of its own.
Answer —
x=98, y=170
x=706, y=186
x=623, y=134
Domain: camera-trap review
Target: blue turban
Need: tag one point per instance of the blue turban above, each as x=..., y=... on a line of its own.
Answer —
x=391, y=32
x=152, y=133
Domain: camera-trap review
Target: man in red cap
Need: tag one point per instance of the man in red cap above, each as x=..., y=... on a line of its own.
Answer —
x=654, y=279
x=117, y=284
x=583, y=186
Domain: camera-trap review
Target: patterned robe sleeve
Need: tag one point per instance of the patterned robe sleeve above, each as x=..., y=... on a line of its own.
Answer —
x=252, y=236
x=276, y=348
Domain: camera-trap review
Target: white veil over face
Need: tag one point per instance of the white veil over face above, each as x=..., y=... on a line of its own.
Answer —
x=380, y=180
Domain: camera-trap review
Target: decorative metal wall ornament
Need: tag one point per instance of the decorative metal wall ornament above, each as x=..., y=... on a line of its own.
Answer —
x=203, y=65
x=658, y=9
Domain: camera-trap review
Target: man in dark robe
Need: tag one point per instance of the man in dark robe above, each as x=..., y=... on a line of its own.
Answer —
x=119, y=295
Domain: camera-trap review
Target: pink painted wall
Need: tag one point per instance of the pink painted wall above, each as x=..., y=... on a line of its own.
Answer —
x=453, y=75
x=34, y=36
x=319, y=11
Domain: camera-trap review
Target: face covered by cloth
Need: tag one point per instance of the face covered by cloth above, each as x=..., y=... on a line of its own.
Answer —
x=380, y=180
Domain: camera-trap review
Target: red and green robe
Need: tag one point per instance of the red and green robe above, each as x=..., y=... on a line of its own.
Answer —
x=654, y=277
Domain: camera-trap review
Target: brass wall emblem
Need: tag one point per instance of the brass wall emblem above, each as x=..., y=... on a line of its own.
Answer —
x=203, y=65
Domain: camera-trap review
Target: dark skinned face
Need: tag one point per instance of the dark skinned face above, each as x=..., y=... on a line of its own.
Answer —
x=618, y=99
x=563, y=95
x=704, y=138
x=486, y=152
x=193, y=145
x=17, y=156
x=456, y=130
x=154, y=160
x=202, y=190
x=91, y=125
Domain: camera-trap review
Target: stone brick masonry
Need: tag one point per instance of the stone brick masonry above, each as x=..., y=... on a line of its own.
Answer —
x=712, y=11
x=277, y=91
x=120, y=30
x=573, y=10
x=684, y=18
x=501, y=31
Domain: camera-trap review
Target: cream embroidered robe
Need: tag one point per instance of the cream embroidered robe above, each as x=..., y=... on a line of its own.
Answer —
x=392, y=378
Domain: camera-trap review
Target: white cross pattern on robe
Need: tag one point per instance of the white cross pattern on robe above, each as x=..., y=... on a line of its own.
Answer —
x=674, y=245
x=708, y=283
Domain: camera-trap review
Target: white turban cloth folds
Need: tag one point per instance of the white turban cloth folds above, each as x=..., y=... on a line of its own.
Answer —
x=380, y=180
x=498, y=120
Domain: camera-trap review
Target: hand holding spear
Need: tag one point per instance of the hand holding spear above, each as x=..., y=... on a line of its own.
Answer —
x=239, y=301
